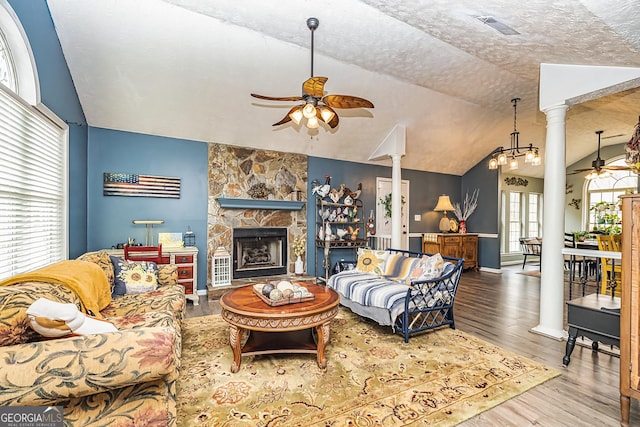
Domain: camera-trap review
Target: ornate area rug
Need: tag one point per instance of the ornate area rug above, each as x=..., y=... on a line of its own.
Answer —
x=372, y=378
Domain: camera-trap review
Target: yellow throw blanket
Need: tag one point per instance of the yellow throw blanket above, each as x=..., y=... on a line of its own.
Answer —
x=85, y=278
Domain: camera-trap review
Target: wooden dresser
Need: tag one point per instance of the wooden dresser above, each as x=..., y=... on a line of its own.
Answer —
x=630, y=307
x=186, y=259
x=453, y=245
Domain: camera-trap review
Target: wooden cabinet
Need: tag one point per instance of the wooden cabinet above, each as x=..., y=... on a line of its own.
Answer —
x=187, y=261
x=630, y=306
x=453, y=245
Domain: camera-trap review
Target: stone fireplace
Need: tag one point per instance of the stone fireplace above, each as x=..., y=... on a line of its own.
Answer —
x=259, y=252
x=233, y=172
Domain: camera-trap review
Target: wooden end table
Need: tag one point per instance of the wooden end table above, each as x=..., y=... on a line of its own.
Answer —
x=279, y=329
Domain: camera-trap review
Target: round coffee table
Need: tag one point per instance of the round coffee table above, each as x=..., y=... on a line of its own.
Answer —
x=293, y=328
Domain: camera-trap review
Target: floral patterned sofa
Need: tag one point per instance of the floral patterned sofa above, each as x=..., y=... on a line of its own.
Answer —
x=123, y=378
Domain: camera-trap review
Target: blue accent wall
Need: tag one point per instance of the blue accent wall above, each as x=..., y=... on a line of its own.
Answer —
x=486, y=218
x=424, y=189
x=110, y=217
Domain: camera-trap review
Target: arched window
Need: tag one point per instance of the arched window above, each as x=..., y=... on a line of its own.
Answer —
x=33, y=173
x=603, y=206
x=7, y=68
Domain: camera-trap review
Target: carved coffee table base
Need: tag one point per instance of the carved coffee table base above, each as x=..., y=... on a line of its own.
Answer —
x=297, y=328
x=309, y=341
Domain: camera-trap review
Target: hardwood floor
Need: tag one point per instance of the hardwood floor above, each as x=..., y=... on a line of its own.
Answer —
x=501, y=308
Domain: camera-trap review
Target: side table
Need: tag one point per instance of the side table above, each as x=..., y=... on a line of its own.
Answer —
x=596, y=317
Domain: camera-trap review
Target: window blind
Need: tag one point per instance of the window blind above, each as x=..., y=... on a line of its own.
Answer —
x=33, y=211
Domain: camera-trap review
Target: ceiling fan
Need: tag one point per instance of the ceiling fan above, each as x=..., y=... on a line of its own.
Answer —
x=598, y=169
x=317, y=106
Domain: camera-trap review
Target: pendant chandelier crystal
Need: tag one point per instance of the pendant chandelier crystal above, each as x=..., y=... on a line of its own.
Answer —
x=502, y=156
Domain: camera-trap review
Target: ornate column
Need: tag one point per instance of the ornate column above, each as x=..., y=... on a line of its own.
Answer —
x=552, y=278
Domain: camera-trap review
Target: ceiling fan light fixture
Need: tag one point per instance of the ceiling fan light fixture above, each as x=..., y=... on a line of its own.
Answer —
x=312, y=122
x=326, y=114
x=309, y=110
x=296, y=115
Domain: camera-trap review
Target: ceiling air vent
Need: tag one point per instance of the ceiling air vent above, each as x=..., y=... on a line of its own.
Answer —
x=497, y=25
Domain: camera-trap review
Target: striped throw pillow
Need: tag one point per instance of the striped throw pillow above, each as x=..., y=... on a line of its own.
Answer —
x=399, y=267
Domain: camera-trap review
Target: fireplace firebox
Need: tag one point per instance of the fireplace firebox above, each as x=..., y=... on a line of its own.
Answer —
x=259, y=252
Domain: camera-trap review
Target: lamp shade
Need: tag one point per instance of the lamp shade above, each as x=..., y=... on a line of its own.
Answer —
x=444, y=204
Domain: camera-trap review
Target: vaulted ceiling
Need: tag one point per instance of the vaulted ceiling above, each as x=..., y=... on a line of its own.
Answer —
x=185, y=69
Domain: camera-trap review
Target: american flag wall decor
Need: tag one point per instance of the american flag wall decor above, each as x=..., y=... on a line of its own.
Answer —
x=134, y=185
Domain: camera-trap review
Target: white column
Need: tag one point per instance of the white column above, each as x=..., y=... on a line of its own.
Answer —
x=552, y=277
x=396, y=202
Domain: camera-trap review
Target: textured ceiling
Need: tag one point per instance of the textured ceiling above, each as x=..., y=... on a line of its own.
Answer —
x=185, y=68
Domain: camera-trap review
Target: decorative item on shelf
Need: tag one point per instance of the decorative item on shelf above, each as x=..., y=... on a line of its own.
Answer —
x=259, y=191
x=321, y=190
x=341, y=232
x=469, y=206
x=444, y=205
x=299, y=247
x=189, y=237
x=354, y=233
x=221, y=267
x=336, y=194
x=148, y=223
x=371, y=225
x=502, y=156
x=632, y=150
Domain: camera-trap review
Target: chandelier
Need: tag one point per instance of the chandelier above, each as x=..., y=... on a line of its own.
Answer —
x=502, y=156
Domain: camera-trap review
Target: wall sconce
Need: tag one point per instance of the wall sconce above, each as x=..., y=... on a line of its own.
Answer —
x=149, y=223
x=444, y=205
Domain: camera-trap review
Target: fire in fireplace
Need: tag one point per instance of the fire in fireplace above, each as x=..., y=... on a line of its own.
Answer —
x=259, y=252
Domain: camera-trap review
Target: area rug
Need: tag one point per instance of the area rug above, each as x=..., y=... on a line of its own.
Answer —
x=372, y=378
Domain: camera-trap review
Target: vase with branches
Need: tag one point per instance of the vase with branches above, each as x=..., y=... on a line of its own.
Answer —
x=468, y=207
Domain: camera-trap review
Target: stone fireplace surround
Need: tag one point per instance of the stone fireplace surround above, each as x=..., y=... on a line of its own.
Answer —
x=232, y=172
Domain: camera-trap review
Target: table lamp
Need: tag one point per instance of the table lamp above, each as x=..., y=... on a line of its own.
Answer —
x=444, y=205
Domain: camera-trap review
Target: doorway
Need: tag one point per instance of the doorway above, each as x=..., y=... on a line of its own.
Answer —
x=383, y=221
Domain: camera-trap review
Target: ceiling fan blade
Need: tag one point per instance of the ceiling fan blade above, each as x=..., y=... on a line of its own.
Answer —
x=287, y=118
x=617, y=168
x=346, y=101
x=273, y=98
x=314, y=86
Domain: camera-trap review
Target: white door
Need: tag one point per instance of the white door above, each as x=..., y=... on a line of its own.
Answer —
x=383, y=222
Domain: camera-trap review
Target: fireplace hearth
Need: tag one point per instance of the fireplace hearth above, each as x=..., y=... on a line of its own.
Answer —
x=259, y=252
